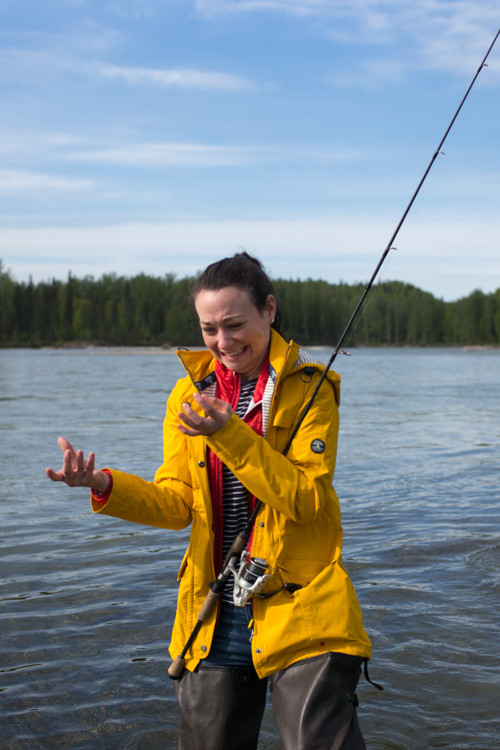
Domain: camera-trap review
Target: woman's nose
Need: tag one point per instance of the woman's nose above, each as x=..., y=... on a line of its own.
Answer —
x=224, y=338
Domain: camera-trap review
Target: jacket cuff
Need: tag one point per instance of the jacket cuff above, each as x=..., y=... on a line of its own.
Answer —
x=103, y=497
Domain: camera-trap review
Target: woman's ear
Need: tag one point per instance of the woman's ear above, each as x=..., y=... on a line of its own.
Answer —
x=271, y=307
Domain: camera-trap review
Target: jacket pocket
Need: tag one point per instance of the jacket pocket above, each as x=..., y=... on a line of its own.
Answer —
x=301, y=571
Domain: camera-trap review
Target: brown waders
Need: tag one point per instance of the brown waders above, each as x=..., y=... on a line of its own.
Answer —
x=314, y=706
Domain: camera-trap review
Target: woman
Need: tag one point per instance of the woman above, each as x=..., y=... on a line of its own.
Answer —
x=227, y=424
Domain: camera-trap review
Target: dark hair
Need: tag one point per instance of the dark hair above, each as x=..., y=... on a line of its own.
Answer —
x=243, y=271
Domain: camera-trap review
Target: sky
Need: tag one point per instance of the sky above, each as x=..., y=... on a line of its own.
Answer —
x=156, y=136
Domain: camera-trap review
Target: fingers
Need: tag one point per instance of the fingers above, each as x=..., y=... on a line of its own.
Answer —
x=214, y=407
x=56, y=476
x=69, y=462
x=75, y=471
x=217, y=414
x=90, y=464
x=64, y=444
x=193, y=424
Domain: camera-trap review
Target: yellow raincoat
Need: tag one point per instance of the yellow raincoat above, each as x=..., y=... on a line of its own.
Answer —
x=298, y=530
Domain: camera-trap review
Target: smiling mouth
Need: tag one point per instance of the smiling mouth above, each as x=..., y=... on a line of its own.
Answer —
x=236, y=353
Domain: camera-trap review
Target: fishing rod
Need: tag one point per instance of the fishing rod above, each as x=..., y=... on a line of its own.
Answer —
x=241, y=541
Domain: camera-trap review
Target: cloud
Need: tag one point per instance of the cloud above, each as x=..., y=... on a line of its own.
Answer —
x=293, y=7
x=154, y=155
x=116, y=147
x=28, y=48
x=27, y=54
x=132, y=9
x=370, y=15
x=29, y=64
x=450, y=258
x=186, y=78
x=16, y=181
x=448, y=35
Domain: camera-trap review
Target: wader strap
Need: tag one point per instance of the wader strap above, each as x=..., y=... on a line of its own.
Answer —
x=367, y=676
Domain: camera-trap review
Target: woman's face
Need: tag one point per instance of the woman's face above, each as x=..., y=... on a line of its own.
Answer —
x=234, y=330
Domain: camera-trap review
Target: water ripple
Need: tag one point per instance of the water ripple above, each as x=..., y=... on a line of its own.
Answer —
x=87, y=603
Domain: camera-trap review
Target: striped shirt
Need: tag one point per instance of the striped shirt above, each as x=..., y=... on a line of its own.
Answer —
x=235, y=506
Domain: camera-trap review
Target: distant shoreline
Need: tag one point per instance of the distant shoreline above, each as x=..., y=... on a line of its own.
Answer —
x=169, y=350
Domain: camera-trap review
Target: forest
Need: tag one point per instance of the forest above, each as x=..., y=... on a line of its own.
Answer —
x=157, y=311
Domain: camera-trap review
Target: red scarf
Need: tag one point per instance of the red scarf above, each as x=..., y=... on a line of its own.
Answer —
x=228, y=390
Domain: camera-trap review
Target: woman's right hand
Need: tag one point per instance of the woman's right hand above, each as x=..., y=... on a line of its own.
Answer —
x=76, y=471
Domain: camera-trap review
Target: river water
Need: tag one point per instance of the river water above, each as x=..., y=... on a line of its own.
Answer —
x=87, y=602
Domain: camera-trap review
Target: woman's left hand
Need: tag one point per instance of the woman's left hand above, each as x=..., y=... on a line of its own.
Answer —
x=217, y=414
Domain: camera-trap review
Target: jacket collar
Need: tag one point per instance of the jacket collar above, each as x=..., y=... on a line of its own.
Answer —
x=199, y=364
x=283, y=358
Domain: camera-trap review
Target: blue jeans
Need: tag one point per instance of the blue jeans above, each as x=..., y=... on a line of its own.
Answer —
x=231, y=645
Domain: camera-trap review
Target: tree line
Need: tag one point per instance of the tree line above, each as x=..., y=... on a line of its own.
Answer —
x=147, y=310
